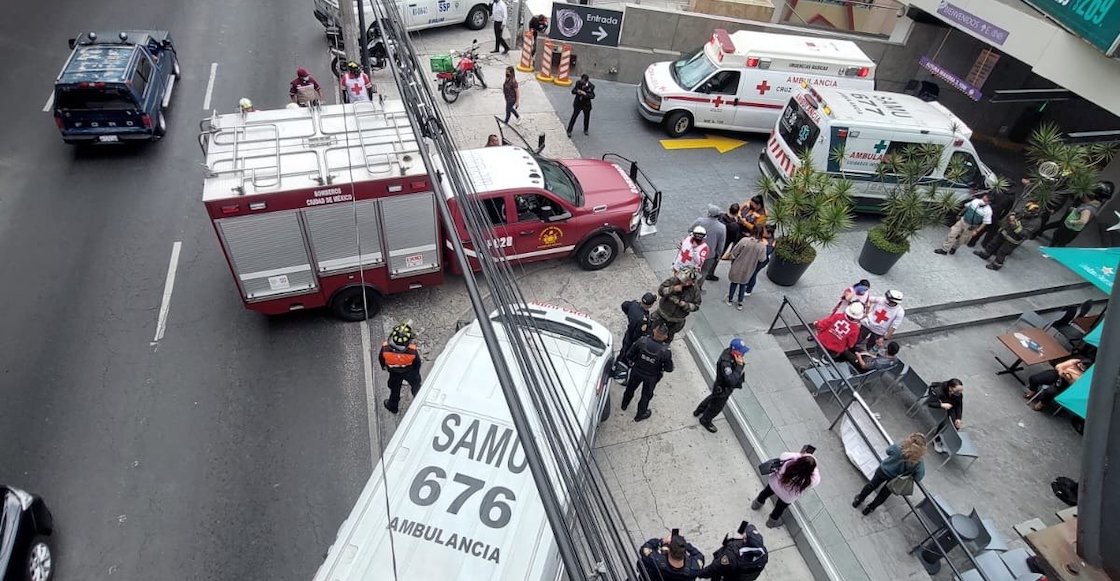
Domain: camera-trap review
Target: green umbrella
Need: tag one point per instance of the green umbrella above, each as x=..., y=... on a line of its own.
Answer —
x=1096, y=265
x=1076, y=397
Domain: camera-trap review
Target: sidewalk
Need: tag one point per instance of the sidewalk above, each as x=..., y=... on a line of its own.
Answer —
x=668, y=472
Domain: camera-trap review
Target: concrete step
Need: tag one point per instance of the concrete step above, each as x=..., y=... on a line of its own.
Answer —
x=926, y=319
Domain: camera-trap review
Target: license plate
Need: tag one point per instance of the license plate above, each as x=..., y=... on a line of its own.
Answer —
x=108, y=139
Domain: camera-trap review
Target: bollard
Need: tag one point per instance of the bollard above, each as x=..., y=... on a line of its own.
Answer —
x=546, y=63
x=526, y=64
x=563, y=73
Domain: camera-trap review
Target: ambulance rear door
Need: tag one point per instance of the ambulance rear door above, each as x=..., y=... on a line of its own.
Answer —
x=762, y=96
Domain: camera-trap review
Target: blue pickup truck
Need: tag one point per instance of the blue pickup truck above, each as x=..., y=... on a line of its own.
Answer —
x=115, y=86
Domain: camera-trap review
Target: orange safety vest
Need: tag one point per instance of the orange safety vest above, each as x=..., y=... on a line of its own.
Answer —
x=398, y=359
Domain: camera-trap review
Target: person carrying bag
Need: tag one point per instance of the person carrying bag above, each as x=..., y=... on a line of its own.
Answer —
x=899, y=471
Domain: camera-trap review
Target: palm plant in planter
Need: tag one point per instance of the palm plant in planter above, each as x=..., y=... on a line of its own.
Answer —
x=809, y=209
x=1060, y=170
x=912, y=203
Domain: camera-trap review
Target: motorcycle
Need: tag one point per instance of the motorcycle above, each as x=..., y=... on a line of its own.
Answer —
x=375, y=49
x=463, y=76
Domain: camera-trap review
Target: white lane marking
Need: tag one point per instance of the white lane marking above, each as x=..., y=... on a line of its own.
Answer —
x=50, y=103
x=168, y=287
x=371, y=394
x=210, y=86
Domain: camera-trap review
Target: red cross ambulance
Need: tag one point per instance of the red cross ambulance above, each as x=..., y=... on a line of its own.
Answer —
x=333, y=206
x=741, y=81
x=867, y=126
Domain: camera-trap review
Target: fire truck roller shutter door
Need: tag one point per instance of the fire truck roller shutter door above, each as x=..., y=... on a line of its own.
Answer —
x=268, y=254
x=331, y=229
x=411, y=234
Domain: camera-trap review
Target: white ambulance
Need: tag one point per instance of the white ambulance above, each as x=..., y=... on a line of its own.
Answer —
x=741, y=81
x=417, y=14
x=453, y=497
x=868, y=126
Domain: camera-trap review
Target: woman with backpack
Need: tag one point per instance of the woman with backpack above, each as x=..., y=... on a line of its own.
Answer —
x=899, y=471
x=796, y=473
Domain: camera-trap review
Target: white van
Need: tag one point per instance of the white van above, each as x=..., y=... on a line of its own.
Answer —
x=741, y=81
x=453, y=497
x=417, y=14
x=868, y=126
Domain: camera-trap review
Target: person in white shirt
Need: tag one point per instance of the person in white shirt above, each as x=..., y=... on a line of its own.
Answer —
x=884, y=317
x=356, y=85
x=977, y=214
x=498, y=14
x=693, y=251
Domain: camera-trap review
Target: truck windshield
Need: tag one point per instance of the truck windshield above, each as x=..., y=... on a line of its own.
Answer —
x=94, y=100
x=796, y=128
x=692, y=71
x=560, y=181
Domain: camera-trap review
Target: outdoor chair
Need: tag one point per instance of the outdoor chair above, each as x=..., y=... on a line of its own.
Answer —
x=994, y=569
x=957, y=444
x=919, y=388
x=929, y=510
x=1016, y=561
x=824, y=377
x=990, y=539
x=1037, y=320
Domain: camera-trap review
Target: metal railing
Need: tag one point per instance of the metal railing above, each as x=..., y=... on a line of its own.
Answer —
x=932, y=531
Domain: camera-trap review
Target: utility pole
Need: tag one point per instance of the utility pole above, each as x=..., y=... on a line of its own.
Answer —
x=363, y=41
x=350, y=34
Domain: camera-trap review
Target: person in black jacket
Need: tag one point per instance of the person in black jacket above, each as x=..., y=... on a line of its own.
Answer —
x=730, y=221
x=637, y=324
x=729, y=376
x=584, y=91
x=537, y=24
x=740, y=558
x=670, y=559
x=651, y=359
x=949, y=396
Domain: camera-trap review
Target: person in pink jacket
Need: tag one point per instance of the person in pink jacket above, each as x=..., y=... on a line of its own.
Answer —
x=797, y=474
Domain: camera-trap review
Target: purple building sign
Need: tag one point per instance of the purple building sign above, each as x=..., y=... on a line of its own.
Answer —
x=972, y=22
x=953, y=80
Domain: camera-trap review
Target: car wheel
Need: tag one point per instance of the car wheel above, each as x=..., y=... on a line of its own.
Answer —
x=678, y=123
x=356, y=303
x=477, y=17
x=175, y=71
x=606, y=414
x=598, y=253
x=40, y=562
x=161, y=128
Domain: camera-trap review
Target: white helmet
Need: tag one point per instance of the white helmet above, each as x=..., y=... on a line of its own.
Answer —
x=894, y=296
x=699, y=232
x=854, y=310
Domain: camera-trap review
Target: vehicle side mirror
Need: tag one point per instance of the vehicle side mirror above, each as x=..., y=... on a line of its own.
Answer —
x=559, y=217
x=72, y=42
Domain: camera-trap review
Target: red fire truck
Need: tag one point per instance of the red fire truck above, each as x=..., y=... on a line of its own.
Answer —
x=333, y=206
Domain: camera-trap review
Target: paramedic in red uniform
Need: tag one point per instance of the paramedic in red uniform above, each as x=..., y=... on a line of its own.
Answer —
x=356, y=85
x=839, y=332
x=401, y=359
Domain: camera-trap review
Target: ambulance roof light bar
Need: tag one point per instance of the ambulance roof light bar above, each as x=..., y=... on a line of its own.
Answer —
x=816, y=99
x=861, y=72
x=723, y=39
x=757, y=63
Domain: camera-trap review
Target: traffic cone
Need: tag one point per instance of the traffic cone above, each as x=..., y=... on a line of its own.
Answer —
x=526, y=64
x=546, y=63
x=563, y=75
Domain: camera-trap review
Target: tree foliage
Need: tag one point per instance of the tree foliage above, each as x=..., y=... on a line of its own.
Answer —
x=810, y=209
x=1078, y=166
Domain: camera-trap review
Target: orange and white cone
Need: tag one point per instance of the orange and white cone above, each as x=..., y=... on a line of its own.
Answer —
x=546, y=63
x=563, y=76
x=526, y=64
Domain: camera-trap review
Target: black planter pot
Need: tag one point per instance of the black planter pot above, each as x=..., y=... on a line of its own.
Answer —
x=784, y=273
x=875, y=260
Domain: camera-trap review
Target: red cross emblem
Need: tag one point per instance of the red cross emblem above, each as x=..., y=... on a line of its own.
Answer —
x=718, y=101
x=686, y=255
x=762, y=87
x=881, y=315
x=356, y=88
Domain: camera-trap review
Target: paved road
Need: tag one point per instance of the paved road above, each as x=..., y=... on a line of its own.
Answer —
x=234, y=447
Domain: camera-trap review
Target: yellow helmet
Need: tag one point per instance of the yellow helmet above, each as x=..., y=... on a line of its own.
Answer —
x=1032, y=207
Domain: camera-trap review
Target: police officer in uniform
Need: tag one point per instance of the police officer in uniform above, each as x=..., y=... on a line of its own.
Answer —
x=637, y=324
x=651, y=359
x=401, y=359
x=679, y=297
x=670, y=559
x=729, y=376
x=741, y=558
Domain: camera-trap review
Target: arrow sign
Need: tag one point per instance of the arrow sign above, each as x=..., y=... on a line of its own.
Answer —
x=720, y=143
x=599, y=34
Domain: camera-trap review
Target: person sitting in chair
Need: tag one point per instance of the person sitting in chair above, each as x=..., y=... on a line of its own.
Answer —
x=1048, y=384
x=889, y=360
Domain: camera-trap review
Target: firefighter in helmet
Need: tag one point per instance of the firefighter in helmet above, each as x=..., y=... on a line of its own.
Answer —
x=401, y=359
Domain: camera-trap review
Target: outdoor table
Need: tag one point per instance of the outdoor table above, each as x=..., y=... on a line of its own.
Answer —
x=1049, y=350
x=1055, y=549
x=930, y=554
x=1086, y=323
